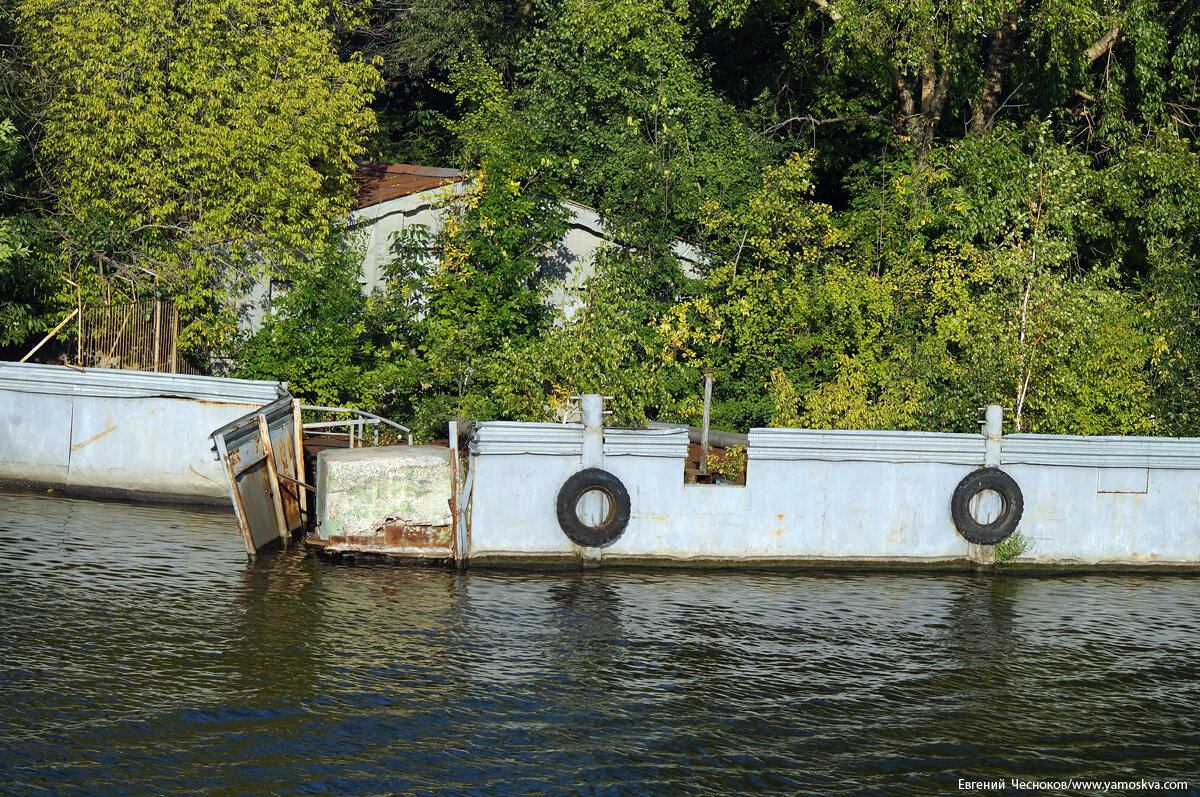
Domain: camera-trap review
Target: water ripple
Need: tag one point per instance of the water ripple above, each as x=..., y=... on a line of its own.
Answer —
x=140, y=652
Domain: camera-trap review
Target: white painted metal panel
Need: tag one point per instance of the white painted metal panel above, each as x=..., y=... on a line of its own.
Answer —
x=1112, y=452
x=123, y=433
x=148, y=445
x=865, y=446
x=838, y=496
x=59, y=380
x=35, y=438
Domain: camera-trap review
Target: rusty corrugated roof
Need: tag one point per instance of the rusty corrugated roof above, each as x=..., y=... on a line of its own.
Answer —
x=380, y=182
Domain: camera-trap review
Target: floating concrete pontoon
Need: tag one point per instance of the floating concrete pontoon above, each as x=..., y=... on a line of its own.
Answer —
x=393, y=500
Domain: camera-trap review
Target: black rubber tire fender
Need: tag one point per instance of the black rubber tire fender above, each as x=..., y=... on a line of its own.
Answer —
x=976, y=482
x=618, y=507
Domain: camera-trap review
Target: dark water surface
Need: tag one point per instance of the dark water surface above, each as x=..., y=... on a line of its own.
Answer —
x=141, y=653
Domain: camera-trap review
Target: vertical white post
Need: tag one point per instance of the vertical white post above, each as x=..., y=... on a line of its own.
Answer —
x=591, y=409
x=993, y=426
x=593, y=506
x=708, y=379
x=986, y=507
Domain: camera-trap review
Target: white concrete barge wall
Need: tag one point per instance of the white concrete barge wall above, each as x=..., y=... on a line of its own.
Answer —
x=840, y=497
x=130, y=434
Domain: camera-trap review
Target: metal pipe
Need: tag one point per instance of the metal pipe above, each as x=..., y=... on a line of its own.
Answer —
x=708, y=383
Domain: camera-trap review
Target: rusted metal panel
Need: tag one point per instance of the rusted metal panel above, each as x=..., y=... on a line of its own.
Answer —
x=298, y=451
x=395, y=539
x=264, y=436
x=247, y=449
x=283, y=450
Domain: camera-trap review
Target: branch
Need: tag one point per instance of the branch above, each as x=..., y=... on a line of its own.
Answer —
x=1102, y=45
x=828, y=9
x=907, y=105
x=816, y=122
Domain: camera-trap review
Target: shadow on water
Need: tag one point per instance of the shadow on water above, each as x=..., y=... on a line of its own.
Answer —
x=140, y=652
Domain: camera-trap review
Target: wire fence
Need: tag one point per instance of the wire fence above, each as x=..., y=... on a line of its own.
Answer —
x=141, y=336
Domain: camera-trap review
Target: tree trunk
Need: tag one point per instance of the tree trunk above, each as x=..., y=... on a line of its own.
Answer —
x=1000, y=52
x=920, y=122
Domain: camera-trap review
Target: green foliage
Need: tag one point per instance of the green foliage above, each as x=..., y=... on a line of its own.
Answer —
x=1011, y=547
x=1053, y=338
x=611, y=86
x=796, y=304
x=29, y=285
x=185, y=142
x=993, y=201
x=608, y=347
x=317, y=337
x=483, y=290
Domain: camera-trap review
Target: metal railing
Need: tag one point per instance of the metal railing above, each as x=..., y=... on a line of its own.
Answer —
x=355, y=426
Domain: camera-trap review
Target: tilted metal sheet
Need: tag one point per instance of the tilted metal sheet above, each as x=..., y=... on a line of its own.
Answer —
x=61, y=380
x=865, y=446
x=283, y=449
x=1178, y=453
x=258, y=505
x=259, y=502
x=278, y=412
x=671, y=443
x=508, y=437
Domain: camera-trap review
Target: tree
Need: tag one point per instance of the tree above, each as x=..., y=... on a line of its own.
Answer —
x=27, y=283
x=187, y=144
x=807, y=320
x=483, y=287
x=318, y=336
x=933, y=70
x=612, y=87
x=1050, y=334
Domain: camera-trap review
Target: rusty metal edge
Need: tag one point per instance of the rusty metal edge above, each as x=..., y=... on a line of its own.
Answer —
x=297, y=419
x=264, y=435
x=238, y=507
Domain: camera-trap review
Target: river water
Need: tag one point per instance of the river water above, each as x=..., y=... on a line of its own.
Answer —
x=141, y=653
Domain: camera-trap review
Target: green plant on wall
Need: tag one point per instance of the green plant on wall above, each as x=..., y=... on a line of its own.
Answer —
x=1011, y=547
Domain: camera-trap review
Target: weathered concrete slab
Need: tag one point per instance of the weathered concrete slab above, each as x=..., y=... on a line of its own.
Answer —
x=363, y=491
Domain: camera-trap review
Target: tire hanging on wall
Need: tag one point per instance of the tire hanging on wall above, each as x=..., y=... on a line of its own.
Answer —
x=976, y=482
x=614, y=522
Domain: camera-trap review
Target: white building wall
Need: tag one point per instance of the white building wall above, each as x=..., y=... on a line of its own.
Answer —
x=569, y=264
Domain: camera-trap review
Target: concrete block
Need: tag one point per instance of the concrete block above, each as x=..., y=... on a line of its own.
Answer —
x=362, y=489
